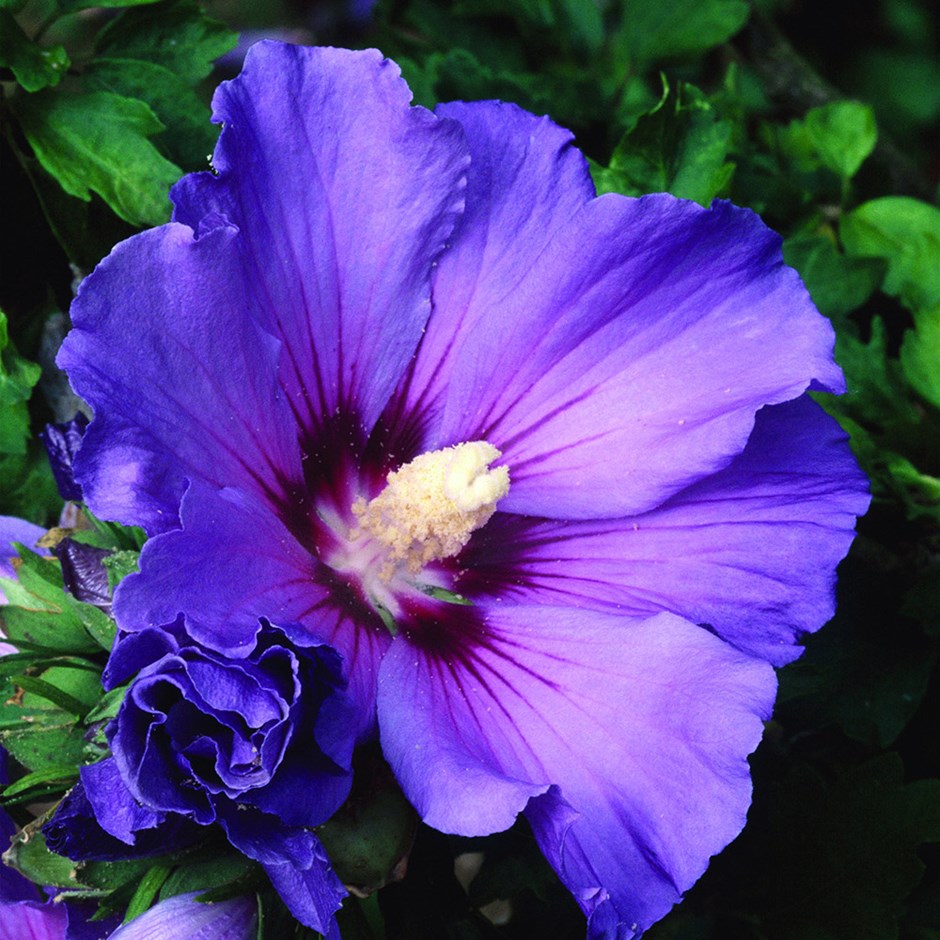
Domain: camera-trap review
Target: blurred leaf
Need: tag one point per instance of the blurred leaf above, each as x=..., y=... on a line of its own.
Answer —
x=189, y=137
x=17, y=378
x=920, y=354
x=29, y=490
x=176, y=35
x=33, y=66
x=678, y=147
x=843, y=133
x=906, y=233
x=86, y=231
x=904, y=86
x=840, y=858
x=652, y=30
x=97, y=141
x=849, y=676
x=838, y=284
x=922, y=602
x=71, y=6
x=575, y=21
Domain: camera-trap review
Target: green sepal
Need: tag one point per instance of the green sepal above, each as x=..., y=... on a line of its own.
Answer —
x=108, y=707
x=678, y=147
x=30, y=856
x=369, y=838
x=17, y=378
x=176, y=35
x=147, y=890
x=113, y=876
x=119, y=565
x=99, y=626
x=33, y=66
x=98, y=142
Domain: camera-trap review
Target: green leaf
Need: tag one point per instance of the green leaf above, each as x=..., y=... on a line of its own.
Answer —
x=678, y=147
x=838, y=284
x=51, y=693
x=97, y=142
x=221, y=869
x=33, y=66
x=920, y=354
x=38, y=609
x=906, y=233
x=17, y=378
x=38, y=723
x=843, y=134
x=176, y=35
x=189, y=137
x=653, y=30
x=55, y=775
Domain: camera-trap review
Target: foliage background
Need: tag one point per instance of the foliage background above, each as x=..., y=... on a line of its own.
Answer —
x=823, y=117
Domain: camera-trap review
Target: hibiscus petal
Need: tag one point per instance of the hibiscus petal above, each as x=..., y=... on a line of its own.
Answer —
x=187, y=391
x=751, y=550
x=31, y=920
x=571, y=370
x=525, y=180
x=186, y=916
x=256, y=568
x=643, y=726
x=344, y=196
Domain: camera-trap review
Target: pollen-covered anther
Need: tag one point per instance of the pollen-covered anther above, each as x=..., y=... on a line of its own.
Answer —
x=432, y=505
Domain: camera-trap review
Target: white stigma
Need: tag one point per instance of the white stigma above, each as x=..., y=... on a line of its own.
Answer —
x=432, y=505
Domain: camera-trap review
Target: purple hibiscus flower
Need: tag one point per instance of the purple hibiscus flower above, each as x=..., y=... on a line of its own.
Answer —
x=540, y=465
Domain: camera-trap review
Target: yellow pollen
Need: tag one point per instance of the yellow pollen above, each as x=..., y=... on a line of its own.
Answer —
x=432, y=505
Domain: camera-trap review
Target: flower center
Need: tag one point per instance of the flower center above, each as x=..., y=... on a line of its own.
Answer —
x=432, y=505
